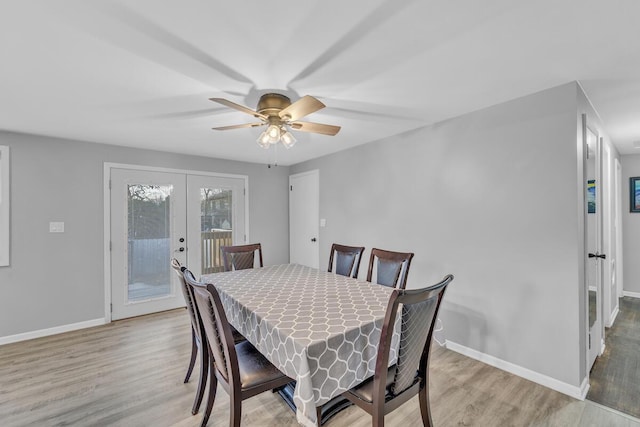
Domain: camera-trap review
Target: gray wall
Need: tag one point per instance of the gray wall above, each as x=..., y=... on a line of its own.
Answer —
x=492, y=197
x=58, y=279
x=630, y=226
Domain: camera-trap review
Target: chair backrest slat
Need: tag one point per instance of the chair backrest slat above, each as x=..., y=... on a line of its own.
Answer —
x=392, y=267
x=216, y=327
x=388, y=272
x=418, y=316
x=347, y=259
x=413, y=337
x=188, y=296
x=241, y=257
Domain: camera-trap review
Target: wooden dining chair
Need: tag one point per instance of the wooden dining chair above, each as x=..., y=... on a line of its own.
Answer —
x=393, y=267
x=240, y=368
x=240, y=257
x=347, y=259
x=196, y=339
x=391, y=387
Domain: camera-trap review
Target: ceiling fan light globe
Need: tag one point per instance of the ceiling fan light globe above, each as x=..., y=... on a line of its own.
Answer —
x=263, y=140
x=274, y=132
x=288, y=140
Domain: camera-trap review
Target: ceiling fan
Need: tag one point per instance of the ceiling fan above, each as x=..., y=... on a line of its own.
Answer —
x=278, y=113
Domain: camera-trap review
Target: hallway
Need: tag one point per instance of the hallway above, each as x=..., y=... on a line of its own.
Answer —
x=615, y=377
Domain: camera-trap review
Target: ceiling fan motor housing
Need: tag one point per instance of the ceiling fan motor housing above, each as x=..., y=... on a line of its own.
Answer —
x=270, y=104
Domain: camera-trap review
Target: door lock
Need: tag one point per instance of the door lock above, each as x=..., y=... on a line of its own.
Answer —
x=313, y=239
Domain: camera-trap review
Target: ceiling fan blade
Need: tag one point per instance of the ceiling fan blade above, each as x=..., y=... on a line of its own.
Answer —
x=302, y=107
x=238, y=107
x=246, y=125
x=316, y=128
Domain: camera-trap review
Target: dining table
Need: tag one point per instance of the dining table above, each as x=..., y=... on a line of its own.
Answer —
x=319, y=328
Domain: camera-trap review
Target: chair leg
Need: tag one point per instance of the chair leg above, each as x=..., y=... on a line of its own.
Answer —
x=194, y=353
x=235, y=413
x=202, y=381
x=425, y=409
x=213, y=385
x=378, y=418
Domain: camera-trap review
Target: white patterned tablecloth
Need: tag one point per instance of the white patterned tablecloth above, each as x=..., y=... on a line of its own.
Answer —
x=319, y=328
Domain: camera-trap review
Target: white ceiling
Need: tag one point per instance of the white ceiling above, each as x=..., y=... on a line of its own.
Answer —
x=139, y=73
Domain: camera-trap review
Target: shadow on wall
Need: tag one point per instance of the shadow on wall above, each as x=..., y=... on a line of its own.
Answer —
x=464, y=326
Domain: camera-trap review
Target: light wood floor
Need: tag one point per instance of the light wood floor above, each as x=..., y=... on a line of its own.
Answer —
x=129, y=373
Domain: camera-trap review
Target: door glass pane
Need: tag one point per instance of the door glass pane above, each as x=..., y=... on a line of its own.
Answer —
x=216, y=226
x=149, y=249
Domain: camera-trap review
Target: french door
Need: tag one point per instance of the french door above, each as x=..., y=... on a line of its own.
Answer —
x=156, y=216
x=215, y=217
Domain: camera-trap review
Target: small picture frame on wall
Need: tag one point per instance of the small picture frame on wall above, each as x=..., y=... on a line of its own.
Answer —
x=634, y=194
x=591, y=196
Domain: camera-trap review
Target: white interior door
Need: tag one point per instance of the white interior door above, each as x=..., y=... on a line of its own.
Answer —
x=158, y=215
x=304, y=223
x=593, y=239
x=216, y=217
x=148, y=227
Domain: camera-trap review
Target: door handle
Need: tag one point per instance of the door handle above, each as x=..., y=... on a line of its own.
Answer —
x=313, y=239
x=597, y=255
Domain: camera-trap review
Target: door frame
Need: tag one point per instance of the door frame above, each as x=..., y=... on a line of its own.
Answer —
x=618, y=220
x=107, y=214
x=610, y=310
x=598, y=342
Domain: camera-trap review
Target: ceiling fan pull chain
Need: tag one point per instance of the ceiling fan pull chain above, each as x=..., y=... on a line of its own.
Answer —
x=268, y=156
x=275, y=162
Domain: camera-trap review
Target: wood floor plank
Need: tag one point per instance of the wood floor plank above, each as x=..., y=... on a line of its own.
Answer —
x=130, y=373
x=615, y=377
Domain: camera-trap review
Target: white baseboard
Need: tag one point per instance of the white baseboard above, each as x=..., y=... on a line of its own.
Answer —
x=51, y=331
x=552, y=383
x=584, y=388
x=631, y=294
x=613, y=316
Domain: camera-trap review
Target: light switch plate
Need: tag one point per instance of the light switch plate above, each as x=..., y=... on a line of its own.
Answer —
x=323, y=222
x=56, y=227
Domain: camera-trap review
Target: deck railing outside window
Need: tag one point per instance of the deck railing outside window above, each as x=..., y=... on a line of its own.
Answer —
x=210, y=243
x=148, y=257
